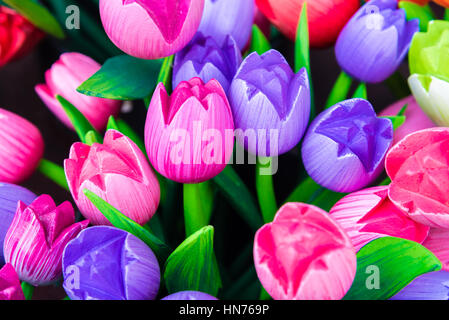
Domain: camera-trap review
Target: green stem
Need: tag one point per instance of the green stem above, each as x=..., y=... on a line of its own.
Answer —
x=446, y=14
x=385, y=182
x=53, y=172
x=265, y=189
x=361, y=92
x=28, y=290
x=194, y=215
x=340, y=90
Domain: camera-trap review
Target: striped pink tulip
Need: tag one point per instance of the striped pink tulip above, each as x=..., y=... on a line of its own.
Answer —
x=10, y=288
x=21, y=147
x=304, y=255
x=438, y=243
x=116, y=171
x=63, y=78
x=369, y=214
x=37, y=237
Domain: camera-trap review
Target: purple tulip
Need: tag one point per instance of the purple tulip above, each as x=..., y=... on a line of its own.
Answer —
x=375, y=41
x=228, y=17
x=105, y=263
x=429, y=286
x=206, y=59
x=189, y=295
x=270, y=103
x=345, y=146
x=10, y=195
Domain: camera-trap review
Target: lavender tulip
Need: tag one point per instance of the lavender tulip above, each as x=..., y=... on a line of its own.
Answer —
x=345, y=146
x=375, y=41
x=206, y=59
x=189, y=295
x=270, y=103
x=429, y=286
x=106, y=263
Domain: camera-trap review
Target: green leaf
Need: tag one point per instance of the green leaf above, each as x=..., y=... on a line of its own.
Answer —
x=414, y=11
x=397, y=121
x=395, y=261
x=361, y=92
x=193, y=266
x=340, y=90
x=123, y=78
x=307, y=190
x=80, y=123
x=38, y=15
x=259, y=42
x=54, y=172
x=120, y=221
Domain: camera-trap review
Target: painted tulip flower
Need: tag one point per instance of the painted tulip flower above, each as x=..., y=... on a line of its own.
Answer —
x=438, y=243
x=304, y=255
x=222, y=18
x=444, y=3
x=375, y=41
x=189, y=295
x=189, y=137
x=36, y=238
x=21, y=146
x=118, y=172
x=369, y=214
x=419, y=169
x=206, y=59
x=262, y=22
x=415, y=118
x=270, y=103
x=10, y=288
x=9, y=197
x=18, y=35
x=63, y=78
x=105, y=263
x=429, y=286
x=345, y=146
x=151, y=29
x=326, y=17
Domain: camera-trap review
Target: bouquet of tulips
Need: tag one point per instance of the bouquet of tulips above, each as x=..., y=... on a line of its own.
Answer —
x=188, y=207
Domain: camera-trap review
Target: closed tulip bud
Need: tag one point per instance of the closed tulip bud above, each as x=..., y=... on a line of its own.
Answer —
x=116, y=171
x=37, y=237
x=375, y=41
x=444, y=3
x=63, y=78
x=326, y=17
x=10, y=288
x=189, y=137
x=262, y=22
x=270, y=104
x=21, y=146
x=189, y=295
x=9, y=197
x=429, y=286
x=228, y=17
x=151, y=29
x=206, y=59
x=438, y=243
x=345, y=146
x=304, y=255
x=105, y=263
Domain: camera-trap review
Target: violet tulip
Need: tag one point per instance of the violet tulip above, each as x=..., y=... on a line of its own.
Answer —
x=63, y=78
x=116, y=171
x=206, y=59
x=10, y=288
x=105, y=263
x=21, y=146
x=345, y=146
x=270, y=104
x=189, y=295
x=189, y=137
x=374, y=42
x=37, y=237
x=429, y=286
x=9, y=197
x=151, y=29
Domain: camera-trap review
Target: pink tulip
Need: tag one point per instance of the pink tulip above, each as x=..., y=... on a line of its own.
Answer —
x=189, y=136
x=63, y=78
x=116, y=171
x=304, y=255
x=438, y=243
x=10, y=288
x=369, y=214
x=151, y=29
x=21, y=147
x=37, y=237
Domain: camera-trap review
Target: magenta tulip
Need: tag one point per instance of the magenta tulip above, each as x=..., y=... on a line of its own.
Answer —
x=438, y=243
x=10, y=284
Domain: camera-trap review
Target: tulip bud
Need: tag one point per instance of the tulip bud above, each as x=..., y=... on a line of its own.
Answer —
x=189, y=137
x=438, y=243
x=189, y=295
x=206, y=59
x=63, y=78
x=375, y=41
x=345, y=146
x=270, y=104
x=444, y=3
x=304, y=255
x=9, y=197
x=105, y=263
x=116, y=171
x=36, y=238
x=262, y=22
x=10, y=288
x=428, y=286
x=21, y=146
x=151, y=29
